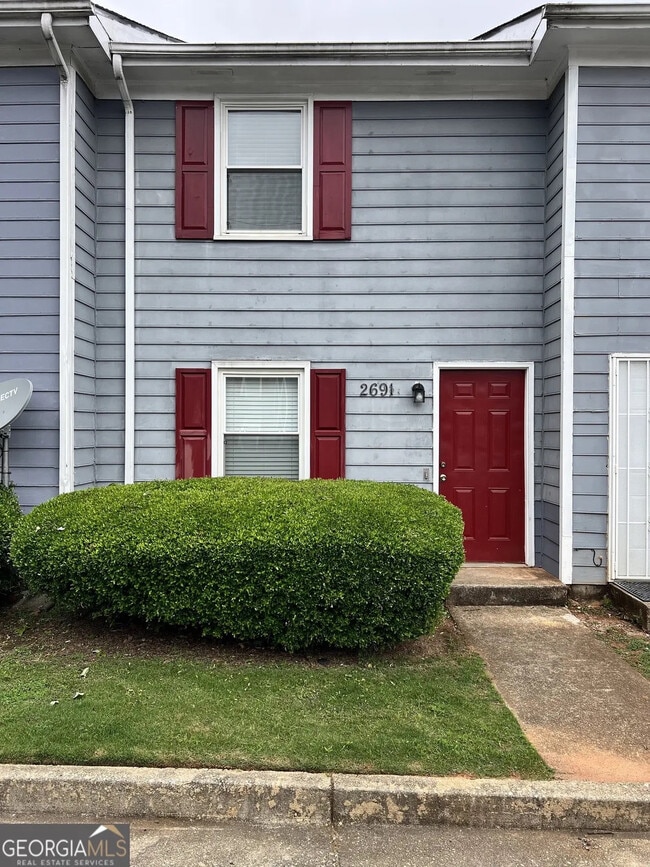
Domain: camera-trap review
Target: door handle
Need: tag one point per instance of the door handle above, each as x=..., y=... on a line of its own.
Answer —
x=443, y=477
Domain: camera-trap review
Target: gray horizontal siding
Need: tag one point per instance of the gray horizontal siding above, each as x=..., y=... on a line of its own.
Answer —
x=548, y=555
x=612, y=279
x=445, y=262
x=85, y=304
x=29, y=271
x=109, y=286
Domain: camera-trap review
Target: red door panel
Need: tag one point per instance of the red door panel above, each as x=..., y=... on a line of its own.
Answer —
x=482, y=457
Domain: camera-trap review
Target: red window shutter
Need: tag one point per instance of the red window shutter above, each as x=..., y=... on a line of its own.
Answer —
x=194, y=169
x=332, y=171
x=193, y=422
x=327, y=424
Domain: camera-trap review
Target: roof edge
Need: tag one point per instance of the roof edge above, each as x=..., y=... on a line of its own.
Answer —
x=538, y=10
x=131, y=22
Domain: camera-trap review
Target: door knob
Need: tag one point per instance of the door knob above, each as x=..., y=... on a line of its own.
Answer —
x=443, y=477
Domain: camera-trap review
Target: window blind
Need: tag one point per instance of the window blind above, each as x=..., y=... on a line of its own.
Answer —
x=265, y=200
x=270, y=455
x=261, y=404
x=264, y=138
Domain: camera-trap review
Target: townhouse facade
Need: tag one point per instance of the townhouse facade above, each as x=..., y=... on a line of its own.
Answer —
x=421, y=263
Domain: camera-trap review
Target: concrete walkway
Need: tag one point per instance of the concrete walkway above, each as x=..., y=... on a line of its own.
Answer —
x=585, y=710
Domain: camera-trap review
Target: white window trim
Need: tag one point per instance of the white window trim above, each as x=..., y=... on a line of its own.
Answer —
x=529, y=436
x=222, y=233
x=221, y=369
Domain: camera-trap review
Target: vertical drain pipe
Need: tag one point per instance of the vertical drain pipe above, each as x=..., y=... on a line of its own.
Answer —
x=129, y=272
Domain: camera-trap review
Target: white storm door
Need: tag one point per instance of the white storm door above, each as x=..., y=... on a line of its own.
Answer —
x=630, y=462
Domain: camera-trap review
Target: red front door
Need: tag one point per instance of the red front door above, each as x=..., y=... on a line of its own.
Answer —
x=482, y=460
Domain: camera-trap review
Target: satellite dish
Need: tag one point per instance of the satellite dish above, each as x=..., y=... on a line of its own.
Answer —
x=14, y=397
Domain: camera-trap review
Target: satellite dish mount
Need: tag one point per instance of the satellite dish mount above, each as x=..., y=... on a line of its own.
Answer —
x=15, y=394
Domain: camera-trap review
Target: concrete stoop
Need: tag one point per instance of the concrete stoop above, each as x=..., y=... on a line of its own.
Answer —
x=506, y=585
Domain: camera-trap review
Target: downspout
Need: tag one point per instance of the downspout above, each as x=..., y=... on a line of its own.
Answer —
x=48, y=32
x=67, y=109
x=129, y=272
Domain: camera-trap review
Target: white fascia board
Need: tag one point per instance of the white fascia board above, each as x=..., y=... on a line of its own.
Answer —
x=570, y=160
x=533, y=91
x=101, y=35
x=611, y=57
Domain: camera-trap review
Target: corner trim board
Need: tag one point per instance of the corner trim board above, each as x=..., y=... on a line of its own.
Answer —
x=570, y=161
x=129, y=273
x=67, y=127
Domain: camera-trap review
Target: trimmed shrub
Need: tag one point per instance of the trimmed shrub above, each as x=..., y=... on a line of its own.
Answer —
x=10, y=514
x=296, y=564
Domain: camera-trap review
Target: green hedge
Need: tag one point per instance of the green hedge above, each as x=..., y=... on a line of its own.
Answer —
x=296, y=564
x=9, y=516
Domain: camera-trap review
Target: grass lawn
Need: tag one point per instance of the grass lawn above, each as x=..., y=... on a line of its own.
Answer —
x=424, y=708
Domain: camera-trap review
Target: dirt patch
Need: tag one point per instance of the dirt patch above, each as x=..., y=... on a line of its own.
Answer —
x=50, y=634
x=616, y=629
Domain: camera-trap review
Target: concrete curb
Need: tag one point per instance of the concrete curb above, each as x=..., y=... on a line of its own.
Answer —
x=278, y=798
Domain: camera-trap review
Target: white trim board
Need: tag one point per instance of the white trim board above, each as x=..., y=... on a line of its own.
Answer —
x=67, y=255
x=567, y=269
x=529, y=434
x=129, y=290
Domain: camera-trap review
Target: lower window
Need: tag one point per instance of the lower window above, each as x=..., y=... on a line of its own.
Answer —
x=261, y=419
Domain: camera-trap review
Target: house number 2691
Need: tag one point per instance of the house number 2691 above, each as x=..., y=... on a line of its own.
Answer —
x=376, y=389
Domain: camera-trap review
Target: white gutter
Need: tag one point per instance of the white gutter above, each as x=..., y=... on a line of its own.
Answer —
x=306, y=54
x=597, y=14
x=67, y=118
x=129, y=272
x=64, y=9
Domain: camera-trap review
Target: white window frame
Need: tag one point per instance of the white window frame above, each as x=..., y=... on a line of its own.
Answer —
x=223, y=369
x=222, y=232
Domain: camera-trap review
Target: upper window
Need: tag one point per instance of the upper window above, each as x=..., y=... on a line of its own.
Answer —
x=277, y=172
x=263, y=171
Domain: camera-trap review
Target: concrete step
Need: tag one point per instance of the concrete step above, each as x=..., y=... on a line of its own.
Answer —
x=506, y=585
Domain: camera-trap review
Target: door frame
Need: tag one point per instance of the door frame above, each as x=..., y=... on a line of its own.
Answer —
x=529, y=435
